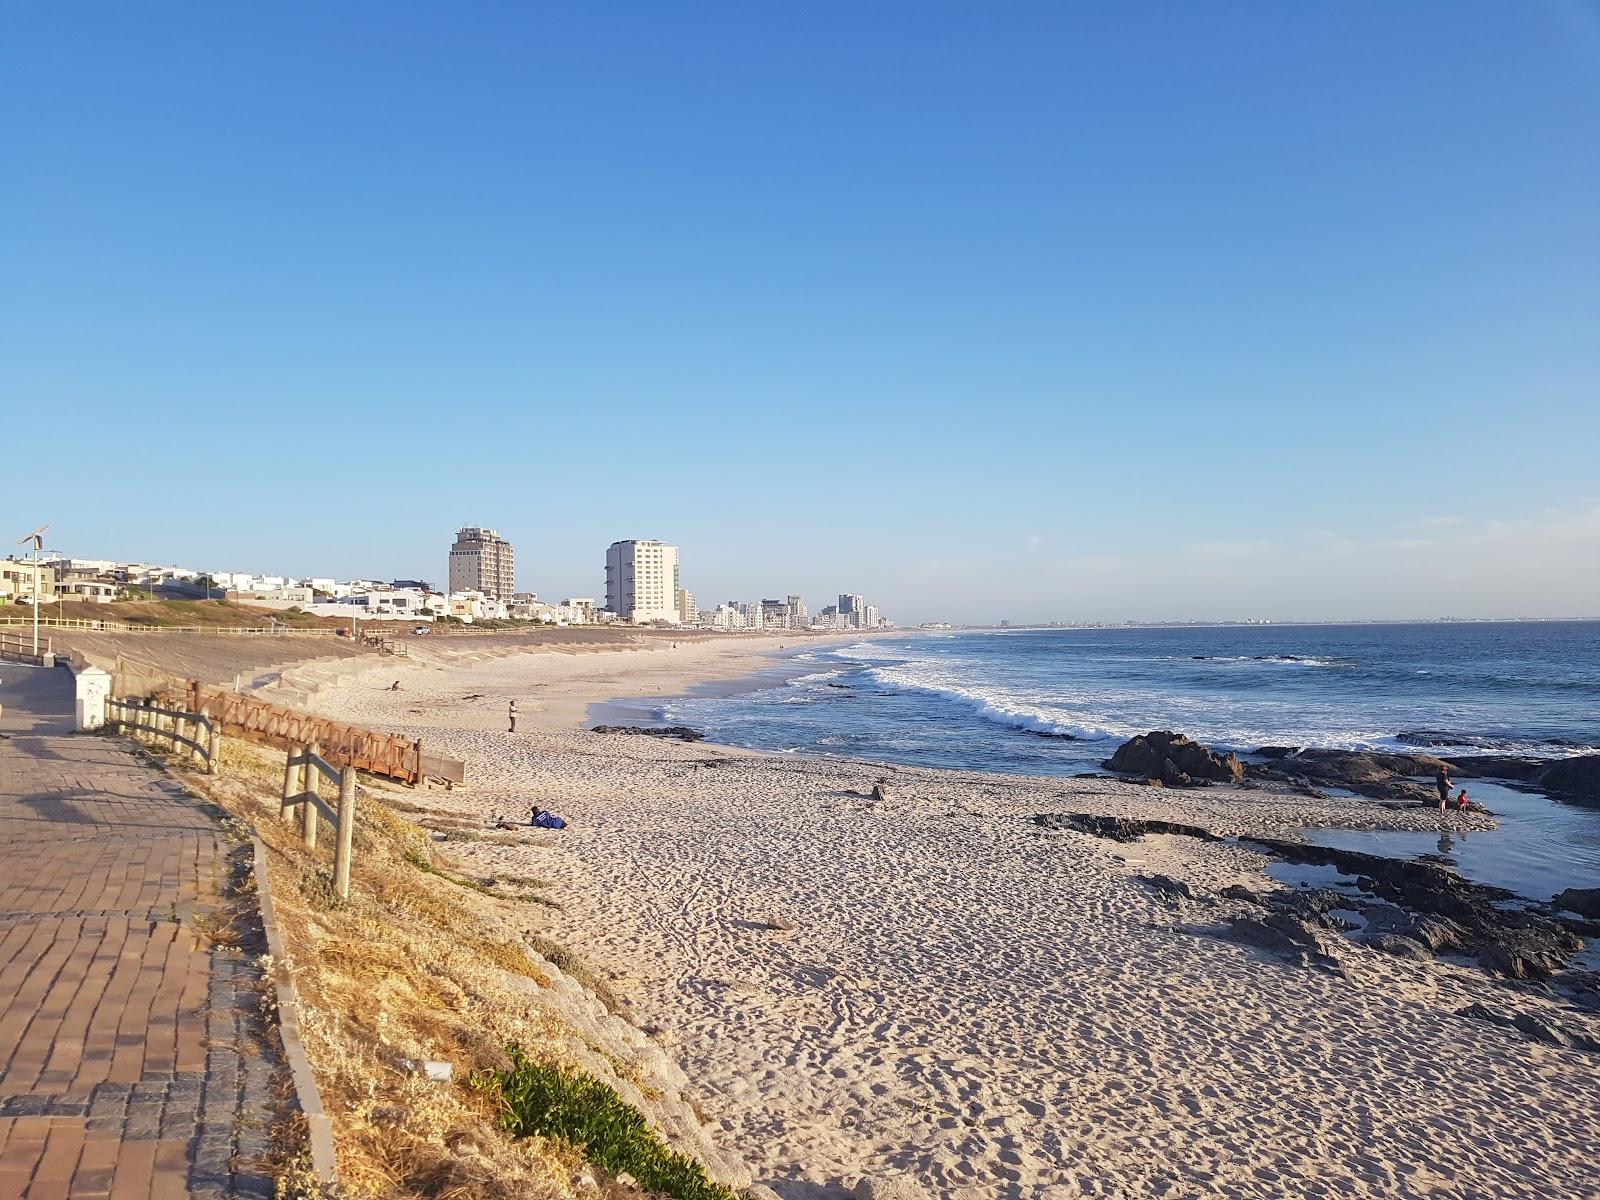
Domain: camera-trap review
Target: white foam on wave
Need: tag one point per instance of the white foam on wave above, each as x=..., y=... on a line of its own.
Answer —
x=1002, y=707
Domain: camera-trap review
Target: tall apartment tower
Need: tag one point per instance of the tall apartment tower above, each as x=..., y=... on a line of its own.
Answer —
x=642, y=581
x=797, y=613
x=480, y=561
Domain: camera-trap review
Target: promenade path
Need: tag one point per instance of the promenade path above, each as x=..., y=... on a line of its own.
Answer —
x=132, y=1063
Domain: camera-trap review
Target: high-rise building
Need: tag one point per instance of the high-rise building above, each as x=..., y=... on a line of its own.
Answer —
x=797, y=613
x=642, y=581
x=480, y=561
x=686, y=611
x=774, y=614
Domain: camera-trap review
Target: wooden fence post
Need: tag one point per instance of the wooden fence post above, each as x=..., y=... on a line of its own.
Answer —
x=347, y=830
x=213, y=749
x=289, y=773
x=312, y=778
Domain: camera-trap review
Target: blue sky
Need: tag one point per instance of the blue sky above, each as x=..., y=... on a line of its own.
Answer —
x=1030, y=311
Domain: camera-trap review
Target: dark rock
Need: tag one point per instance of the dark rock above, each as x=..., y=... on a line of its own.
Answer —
x=1482, y=1012
x=1583, y=901
x=1276, y=751
x=1118, y=829
x=1174, y=759
x=1440, y=935
x=1237, y=891
x=1452, y=914
x=1540, y=1031
x=1283, y=934
x=1368, y=773
x=1398, y=945
x=1576, y=779
x=1433, y=737
x=1497, y=766
x=1172, y=889
x=682, y=732
x=1520, y=957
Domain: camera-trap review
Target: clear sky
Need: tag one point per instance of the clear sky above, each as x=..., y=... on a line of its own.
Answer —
x=1066, y=310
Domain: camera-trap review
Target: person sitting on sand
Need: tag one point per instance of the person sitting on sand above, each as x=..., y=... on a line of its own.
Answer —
x=395, y=686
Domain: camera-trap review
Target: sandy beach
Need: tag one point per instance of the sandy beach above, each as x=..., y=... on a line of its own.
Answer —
x=954, y=994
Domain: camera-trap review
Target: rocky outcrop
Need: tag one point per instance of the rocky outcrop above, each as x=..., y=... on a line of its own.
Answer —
x=1367, y=773
x=1407, y=906
x=1169, y=889
x=682, y=732
x=1497, y=766
x=1286, y=935
x=1583, y=901
x=1177, y=761
x=1117, y=829
x=1576, y=779
x=1535, y=1029
x=1448, y=914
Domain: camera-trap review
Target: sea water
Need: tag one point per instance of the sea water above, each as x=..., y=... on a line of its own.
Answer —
x=1059, y=701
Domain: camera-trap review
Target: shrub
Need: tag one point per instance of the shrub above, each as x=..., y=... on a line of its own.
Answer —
x=560, y=1103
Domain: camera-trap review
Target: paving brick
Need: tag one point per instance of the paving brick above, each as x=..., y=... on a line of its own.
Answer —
x=120, y=1031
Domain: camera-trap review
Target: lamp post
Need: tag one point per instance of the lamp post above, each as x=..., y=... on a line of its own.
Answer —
x=37, y=538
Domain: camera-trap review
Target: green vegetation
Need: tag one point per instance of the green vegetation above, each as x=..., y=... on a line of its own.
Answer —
x=560, y=1103
x=133, y=608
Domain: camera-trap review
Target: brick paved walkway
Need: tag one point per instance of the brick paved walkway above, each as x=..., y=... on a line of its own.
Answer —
x=130, y=1064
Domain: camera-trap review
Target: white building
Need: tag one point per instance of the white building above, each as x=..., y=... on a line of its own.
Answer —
x=642, y=581
x=480, y=561
x=580, y=610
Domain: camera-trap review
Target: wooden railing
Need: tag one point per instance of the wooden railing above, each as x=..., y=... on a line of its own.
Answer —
x=300, y=773
x=169, y=724
x=17, y=648
x=254, y=720
x=94, y=625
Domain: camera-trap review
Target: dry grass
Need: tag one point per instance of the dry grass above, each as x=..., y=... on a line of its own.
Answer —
x=412, y=967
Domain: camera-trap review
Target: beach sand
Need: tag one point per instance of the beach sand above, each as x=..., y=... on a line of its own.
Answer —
x=961, y=997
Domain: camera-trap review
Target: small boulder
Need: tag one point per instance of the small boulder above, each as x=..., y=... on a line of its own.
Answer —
x=1172, y=890
x=1583, y=901
x=1237, y=891
x=1398, y=945
x=1174, y=759
x=1575, y=778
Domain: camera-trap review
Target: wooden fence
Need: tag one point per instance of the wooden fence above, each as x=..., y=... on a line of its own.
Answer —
x=15, y=648
x=94, y=625
x=300, y=772
x=172, y=725
x=244, y=716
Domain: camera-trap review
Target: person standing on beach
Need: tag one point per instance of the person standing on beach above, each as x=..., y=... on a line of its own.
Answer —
x=1441, y=780
x=512, y=715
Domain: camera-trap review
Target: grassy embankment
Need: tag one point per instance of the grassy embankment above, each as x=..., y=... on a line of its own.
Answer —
x=427, y=963
x=166, y=614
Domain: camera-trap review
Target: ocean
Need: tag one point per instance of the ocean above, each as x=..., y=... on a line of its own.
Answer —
x=1059, y=701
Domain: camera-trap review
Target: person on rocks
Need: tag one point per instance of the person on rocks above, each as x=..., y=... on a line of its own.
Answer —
x=1461, y=801
x=1441, y=780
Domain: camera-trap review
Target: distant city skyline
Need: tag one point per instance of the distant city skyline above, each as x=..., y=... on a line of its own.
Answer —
x=1118, y=312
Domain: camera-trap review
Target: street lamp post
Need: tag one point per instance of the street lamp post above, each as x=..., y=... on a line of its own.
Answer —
x=37, y=538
